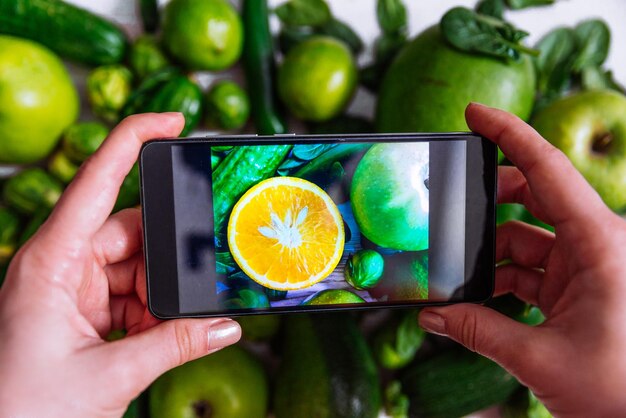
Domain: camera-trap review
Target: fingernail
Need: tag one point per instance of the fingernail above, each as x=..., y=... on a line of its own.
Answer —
x=223, y=334
x=433, y=323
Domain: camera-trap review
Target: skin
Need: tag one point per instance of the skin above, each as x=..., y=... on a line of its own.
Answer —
x=80, y=277
x=574, y=362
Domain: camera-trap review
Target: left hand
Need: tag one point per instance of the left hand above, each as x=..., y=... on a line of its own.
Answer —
x=80, y=277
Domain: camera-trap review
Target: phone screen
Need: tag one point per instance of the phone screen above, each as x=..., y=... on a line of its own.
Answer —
x=306, y=225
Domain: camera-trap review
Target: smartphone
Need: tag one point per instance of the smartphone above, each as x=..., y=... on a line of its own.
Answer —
x=239, y=225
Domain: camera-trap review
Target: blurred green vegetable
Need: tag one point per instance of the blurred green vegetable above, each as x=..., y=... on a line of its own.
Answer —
x=364, y=269
x=149, y=10
x=108, y=88
x=392, y=16
x=9, y=231
x=595, y=78
x=303, y=12
x=340, y=30
x=494, y=8
x=37, y=219
x=129, y=191
x=396, y=341
x=469, y=31
x=227, y=105
x=557, y=51
x=524, y=404
x=259, y=327
x=179, y=94
x=146, y=56
x=61, y=167
x=508, y=212
x=30, y=190
x=82, y=139
x=522, y=4
x=147, y=88
x=247, y=299
x=396, y=403
x=594, y=38
x=260, y=67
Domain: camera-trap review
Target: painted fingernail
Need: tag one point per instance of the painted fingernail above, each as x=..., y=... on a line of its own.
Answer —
x=433, y=323
x=223, y=334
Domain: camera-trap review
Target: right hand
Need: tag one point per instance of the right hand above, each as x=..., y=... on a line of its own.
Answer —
x=575, y=362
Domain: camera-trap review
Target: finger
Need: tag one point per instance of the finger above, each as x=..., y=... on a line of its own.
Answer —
x=513, y=188
x=89, y=199
x=524, y=244
x=520, y=281
x=168, y=345
x=124, y=276
x=565, y=194
x=119, y=238
x=482, y=330
x=126, y=312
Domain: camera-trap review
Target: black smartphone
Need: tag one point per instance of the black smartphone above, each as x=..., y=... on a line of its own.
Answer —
x=248, y=224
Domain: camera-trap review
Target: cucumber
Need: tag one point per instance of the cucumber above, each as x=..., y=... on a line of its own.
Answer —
x=241, y=169
x=455, y=383
x=179, y=94
x=70, y=31
x=326, y=371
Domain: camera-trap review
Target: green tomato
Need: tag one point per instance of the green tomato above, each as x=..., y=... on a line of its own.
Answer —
x=83, y=139
x=227, y=105
x=364, y=269
x=146, y=56
x=108, y=88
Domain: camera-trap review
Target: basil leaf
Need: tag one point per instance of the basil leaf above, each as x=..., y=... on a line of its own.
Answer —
x=392, y=16
x=522, y=4
x=308, y=152
x=343, y=32
x=557, y=51
x=469, y=31
x=594, y=38
x=303, y=12
x=595, y=78
x=494, y=8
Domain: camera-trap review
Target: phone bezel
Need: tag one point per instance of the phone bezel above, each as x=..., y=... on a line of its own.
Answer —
x=159, y=226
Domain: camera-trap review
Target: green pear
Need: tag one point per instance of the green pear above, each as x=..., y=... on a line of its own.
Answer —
x=230, y=383
x=590, y=128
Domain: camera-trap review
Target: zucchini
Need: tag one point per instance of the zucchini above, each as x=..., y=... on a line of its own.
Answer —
x=241, y=169
x=30, y=190
x=455, y=383
x=70, y=31
x=326, y=371
x=179, y=94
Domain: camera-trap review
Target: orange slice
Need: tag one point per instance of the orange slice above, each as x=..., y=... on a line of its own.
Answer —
x=286, y=233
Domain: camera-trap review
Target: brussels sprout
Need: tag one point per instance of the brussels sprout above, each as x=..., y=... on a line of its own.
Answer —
x=247, y=299
x=364, y=269
x=9, y=229
x=129, y=191
x=30, y=190
x=396, y=342
x=108, y=88
x=61, y=167
x=83, y=139
x=227, y=105
x=146, y=56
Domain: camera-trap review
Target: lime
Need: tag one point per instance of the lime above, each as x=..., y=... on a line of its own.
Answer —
x=317, y=78
x=430, y=83
x=227, y=105
x=333, y=297
x=203, y=34
x=37, y=100
x=389, y=195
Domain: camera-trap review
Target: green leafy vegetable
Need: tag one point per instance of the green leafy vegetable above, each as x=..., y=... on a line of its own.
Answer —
x=304, y=13
x=594, y=38
x=494, y=8
x=522, y=4
x=396, y=403
x=472, y=32
x=596, y=78
x=392, y=16
x=557, y=51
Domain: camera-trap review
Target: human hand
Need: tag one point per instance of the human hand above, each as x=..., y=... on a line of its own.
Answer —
x=81, y=276
x=575, y=361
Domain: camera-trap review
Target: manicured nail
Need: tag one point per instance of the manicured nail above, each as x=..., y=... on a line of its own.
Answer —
x=433, y=323
x=223, y=334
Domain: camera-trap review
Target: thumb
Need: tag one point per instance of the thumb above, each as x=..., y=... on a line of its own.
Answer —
x=141, y=358
x=483, y=330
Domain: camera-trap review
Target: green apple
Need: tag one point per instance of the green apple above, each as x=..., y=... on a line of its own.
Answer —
x=230, y=383
x=429, y=84
x=590, y=128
